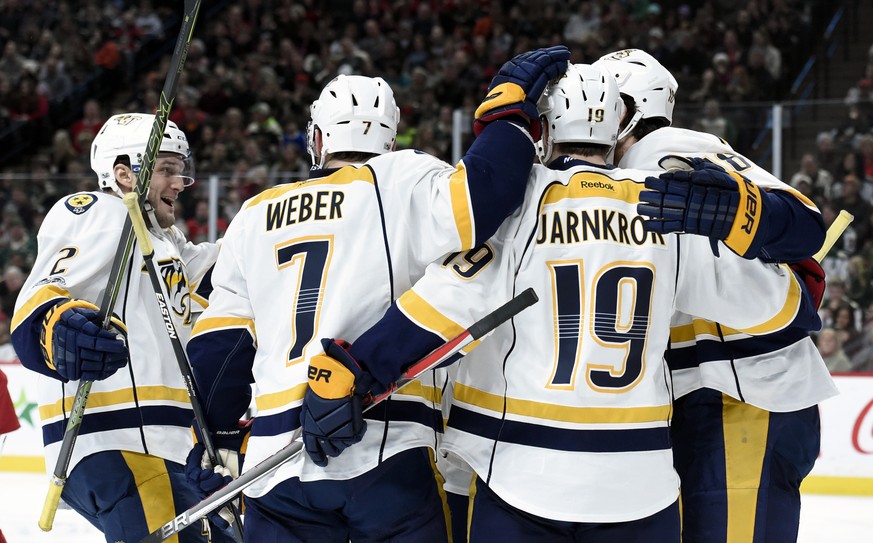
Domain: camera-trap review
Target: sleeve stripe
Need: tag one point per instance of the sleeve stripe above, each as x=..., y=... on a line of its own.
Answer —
x=282, y=398
x=418, y=389
x=461, y=207
x=426, y=316
x=43, y=295
x=788, y=312
x=562, y=413
x=212, y=324
x=117, y=397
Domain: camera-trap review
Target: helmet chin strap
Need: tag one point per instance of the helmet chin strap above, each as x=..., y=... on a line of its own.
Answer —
x=638, y=115
x=150, y=216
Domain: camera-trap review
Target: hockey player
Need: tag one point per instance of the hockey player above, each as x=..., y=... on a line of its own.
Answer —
x=746, y=426
x=362, y=228
x=126, y=474
x=564, y=414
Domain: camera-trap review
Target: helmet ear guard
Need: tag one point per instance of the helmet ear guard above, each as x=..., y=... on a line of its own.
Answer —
x=127, y=135
x=583, y=106
x=353, y=114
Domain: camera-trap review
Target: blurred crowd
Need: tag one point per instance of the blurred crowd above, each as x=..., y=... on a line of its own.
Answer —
x=254, y=67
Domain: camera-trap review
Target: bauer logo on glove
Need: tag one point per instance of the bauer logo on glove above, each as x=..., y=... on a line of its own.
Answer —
x=329, y=378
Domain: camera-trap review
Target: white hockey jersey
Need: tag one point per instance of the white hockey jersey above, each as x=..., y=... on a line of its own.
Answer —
x=782, y=372
x=143, y=407
x=325, y=258
x=564, y=412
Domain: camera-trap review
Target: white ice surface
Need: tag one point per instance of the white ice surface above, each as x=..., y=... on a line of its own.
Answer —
x=824, y=519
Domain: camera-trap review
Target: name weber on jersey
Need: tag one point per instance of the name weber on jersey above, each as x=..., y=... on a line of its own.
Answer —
x=304, y=206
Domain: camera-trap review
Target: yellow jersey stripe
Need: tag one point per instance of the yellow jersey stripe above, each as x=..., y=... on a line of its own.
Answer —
x=212, y=324
x=152, y=480
x=282, y=398
x=417, y=388
x=460, y=195
x=419, y=310
x=41, y=296
x=117, y=397
x=788, y=312
x=561, y=413
x=344, y=176
x=745, y=442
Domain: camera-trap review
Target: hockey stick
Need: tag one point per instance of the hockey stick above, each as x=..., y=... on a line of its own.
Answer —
x=122, y=257
x=270, y=464
x=148, y=254
x=843, y=220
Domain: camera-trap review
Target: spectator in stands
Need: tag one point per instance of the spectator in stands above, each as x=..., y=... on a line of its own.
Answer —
x=583, y=24
x=713, y=122
x=847, y=326
x=865, y=152
x=849, y=198
x=62, y=152
x=90, y=123
x=12, y=62
x=771, y=55
x=831, y=349
x=27, y=103
x=855, y=125
x=13, y=280
x=820, y=180
x=836, y=298
x=18, y=246
x=825, y=152
x=198, y=225
x=53, y=81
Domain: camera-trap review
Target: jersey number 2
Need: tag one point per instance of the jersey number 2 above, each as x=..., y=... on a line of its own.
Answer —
x=310, y=258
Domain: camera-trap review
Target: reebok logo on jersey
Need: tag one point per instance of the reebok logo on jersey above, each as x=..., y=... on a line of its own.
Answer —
x=329, y=378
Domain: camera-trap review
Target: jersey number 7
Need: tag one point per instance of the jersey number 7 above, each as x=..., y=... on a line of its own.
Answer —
x=310, y=256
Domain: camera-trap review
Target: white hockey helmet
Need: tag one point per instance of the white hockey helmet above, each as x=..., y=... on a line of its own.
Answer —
x=646, y=80
x=583, y=106
x=128, y=135
x=354, y=113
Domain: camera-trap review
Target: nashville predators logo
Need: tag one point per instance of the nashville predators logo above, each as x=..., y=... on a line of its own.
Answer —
x=176, y=282
x=124, y=120
x=80, y=203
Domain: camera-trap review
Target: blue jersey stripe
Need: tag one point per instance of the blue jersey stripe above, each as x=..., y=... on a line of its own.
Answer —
x=150, y=415
x=560, y=439
x=288, y=421
x=707, y=350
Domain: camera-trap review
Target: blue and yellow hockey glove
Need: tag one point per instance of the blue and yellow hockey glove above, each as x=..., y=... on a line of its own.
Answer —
x=697, y=196
x=76, y=346
x=332, y=414
x=517, y=87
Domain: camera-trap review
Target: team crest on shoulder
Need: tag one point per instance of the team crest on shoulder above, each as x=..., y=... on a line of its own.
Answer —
x=80, y=203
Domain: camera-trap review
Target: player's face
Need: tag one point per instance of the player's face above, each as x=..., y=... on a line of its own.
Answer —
x=168, y=182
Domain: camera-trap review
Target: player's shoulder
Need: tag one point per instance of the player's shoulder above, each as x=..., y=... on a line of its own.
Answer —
x=684, y=139
x=83, y=207
x=410, y=159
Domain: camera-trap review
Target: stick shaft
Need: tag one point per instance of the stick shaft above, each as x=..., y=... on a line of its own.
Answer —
x=290, y=451
x=843, y=220
x=125, y=245
x=148, y=253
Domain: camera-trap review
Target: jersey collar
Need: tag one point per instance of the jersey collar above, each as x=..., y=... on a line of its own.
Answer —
x=565, y=162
